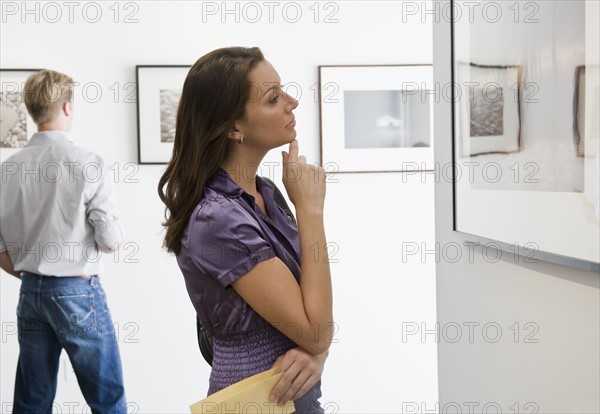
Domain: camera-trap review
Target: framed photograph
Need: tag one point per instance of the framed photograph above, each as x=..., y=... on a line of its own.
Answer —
x=579, y=111
x=16, y=126
x=376, y=118
x=158, y=92
x=490, y=117
x=520, y=185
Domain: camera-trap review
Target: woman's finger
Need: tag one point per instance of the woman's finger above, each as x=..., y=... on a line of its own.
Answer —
x=283, y=384
x=308, y=384
x=284, y=365
x=293, y=151
x=295, y=386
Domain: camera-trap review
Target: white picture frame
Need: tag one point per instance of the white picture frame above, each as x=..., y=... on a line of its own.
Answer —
x=376, y=118
x=539, y=201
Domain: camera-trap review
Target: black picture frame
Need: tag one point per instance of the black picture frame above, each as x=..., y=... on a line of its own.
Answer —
x=155, y=109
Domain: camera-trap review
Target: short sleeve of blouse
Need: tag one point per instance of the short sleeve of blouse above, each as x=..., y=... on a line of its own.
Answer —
x=226, y=242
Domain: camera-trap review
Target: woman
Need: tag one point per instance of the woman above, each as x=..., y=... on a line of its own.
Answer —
x=253, y=275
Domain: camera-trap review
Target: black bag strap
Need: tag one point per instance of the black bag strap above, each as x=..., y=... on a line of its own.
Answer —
x=205, y=340
x=280, y=200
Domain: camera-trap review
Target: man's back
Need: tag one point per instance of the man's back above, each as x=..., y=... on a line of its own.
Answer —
x=57, y=207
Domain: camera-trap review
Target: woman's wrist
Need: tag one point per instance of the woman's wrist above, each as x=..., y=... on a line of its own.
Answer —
x=311, y=212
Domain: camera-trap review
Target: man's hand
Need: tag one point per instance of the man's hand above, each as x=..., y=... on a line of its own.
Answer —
x=7, y=266
x=301, y=371
x=108, y=250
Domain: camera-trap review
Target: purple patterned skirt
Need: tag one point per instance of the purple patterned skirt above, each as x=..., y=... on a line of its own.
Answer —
x=239, y=356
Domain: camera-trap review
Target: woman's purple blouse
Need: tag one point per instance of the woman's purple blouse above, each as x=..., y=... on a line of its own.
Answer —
x=226, y=237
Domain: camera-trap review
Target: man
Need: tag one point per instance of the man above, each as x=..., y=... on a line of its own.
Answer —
x=58, y=210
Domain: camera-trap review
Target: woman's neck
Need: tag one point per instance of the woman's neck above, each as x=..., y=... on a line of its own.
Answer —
x=242, y=170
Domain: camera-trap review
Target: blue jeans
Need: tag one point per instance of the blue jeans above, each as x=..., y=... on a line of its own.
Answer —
x=56, y=313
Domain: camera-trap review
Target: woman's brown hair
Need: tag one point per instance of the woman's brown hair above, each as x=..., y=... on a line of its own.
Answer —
x=214, y=96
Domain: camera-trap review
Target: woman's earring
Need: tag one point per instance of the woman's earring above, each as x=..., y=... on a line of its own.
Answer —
x=241, y=140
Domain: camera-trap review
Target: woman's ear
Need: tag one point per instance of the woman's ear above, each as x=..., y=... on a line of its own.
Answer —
x=235, y=134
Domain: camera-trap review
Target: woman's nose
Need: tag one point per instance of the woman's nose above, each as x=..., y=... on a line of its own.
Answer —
x=293, y=102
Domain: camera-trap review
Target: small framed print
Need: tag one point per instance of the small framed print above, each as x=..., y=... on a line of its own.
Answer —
x=579, y=111
x=16, y=126
x=591, y=94
x=490, y=118
x=377, y=118
x=158, y=92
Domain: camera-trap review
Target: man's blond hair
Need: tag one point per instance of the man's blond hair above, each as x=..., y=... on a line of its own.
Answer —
x=44, y=94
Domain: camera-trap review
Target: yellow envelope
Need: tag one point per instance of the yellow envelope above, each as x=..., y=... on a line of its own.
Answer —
x=250, y=395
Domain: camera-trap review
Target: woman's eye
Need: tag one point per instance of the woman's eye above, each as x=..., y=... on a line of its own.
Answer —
x=274, y=99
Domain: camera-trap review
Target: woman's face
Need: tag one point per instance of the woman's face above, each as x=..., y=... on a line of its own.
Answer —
x=268, y=121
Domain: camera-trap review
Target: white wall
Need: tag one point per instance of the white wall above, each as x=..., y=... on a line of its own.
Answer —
x=371, y=369
x=552, y=365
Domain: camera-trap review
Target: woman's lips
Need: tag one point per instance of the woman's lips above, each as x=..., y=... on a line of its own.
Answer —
x=291, y=124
